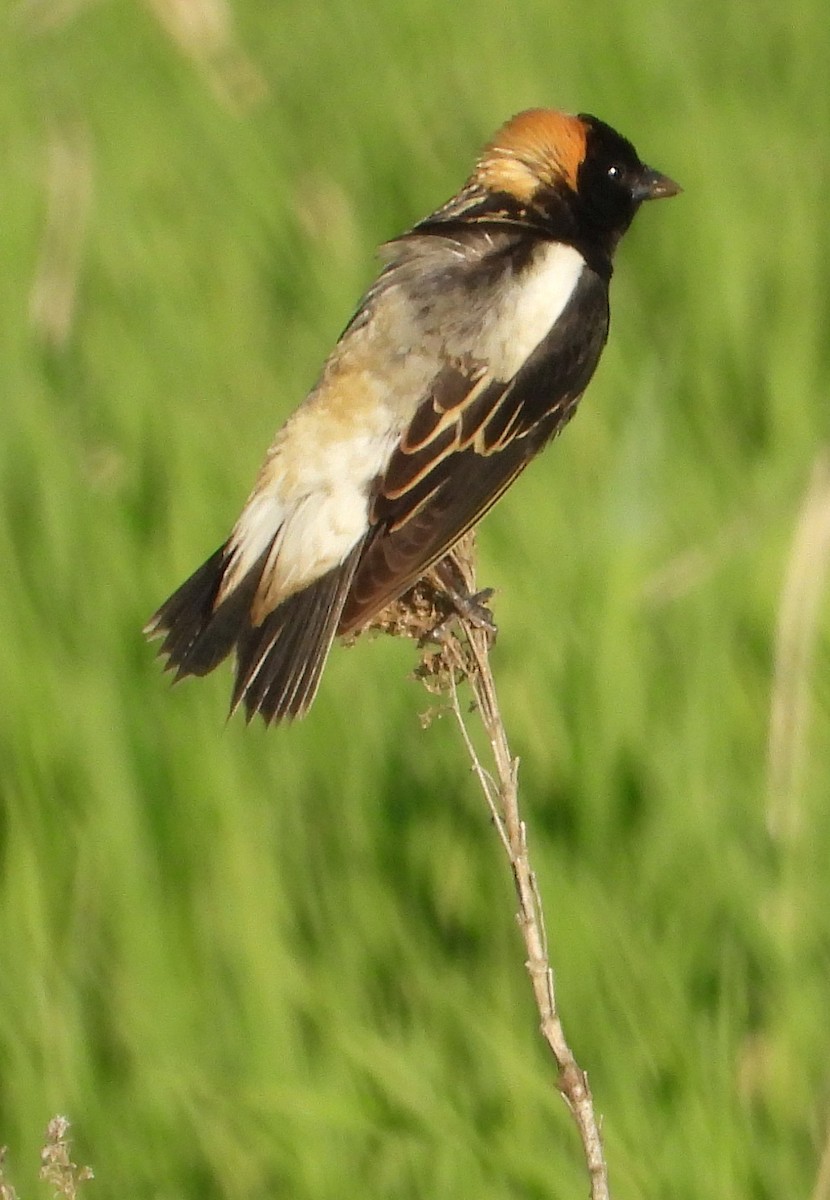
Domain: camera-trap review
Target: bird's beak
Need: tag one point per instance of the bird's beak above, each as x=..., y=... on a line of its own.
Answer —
x=654, y=186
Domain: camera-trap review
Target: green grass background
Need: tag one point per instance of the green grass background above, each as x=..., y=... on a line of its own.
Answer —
x=284, y=963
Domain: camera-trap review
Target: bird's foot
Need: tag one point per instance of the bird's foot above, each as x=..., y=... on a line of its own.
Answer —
x=470, y=607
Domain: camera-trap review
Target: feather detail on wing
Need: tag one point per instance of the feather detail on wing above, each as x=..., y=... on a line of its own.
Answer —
x=279, y=663
x=468, y=440
x=199, y=629
x=463, y=448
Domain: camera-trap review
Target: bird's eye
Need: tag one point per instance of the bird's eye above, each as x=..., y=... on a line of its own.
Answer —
x=614, y=172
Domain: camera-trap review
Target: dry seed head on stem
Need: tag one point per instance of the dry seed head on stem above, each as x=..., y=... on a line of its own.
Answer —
x=57, y=1167
x=7, y=1192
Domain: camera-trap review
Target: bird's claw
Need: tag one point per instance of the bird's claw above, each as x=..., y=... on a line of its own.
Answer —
x=470, y=607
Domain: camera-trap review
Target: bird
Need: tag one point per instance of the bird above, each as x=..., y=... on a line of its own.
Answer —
x=465, y=357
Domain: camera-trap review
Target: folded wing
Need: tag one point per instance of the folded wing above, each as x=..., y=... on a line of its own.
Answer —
x=469, y=439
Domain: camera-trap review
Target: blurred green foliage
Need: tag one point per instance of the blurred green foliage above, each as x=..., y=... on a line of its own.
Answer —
x=283, y=963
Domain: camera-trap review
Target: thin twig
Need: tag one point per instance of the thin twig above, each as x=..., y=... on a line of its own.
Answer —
x=821, y=1191
x=572, y=1080
x=488, y=785
x=420, y=614
x=53, y=300
x=795, y=646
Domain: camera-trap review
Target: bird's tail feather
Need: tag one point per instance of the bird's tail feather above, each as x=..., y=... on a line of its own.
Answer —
x=197, y=634
x=279, y=661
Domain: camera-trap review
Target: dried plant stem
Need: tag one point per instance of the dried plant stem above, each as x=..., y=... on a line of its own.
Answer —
x=821, y=1190
x=795, y=652
x=57, y=1168
x=502, y=795
x=444, y=601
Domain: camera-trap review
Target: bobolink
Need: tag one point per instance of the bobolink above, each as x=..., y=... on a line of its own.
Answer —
x=465, y=357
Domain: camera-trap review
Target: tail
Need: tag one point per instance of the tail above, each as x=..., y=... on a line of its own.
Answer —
x=278, y=661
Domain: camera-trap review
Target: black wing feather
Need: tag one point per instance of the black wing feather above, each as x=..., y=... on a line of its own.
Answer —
x=279, y=663
x=197, y=634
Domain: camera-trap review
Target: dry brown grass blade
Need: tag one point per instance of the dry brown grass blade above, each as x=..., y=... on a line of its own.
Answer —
x=795, y=642
x=46, y=16
x=204, y=31
x=821, y=1189
x=54, y=294
x=693, y=567
x=7, y=1192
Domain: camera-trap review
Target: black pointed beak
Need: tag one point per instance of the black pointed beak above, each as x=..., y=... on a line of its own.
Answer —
x=653, y=186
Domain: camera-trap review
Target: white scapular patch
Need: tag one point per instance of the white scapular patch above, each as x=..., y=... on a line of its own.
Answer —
x=530, y=305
